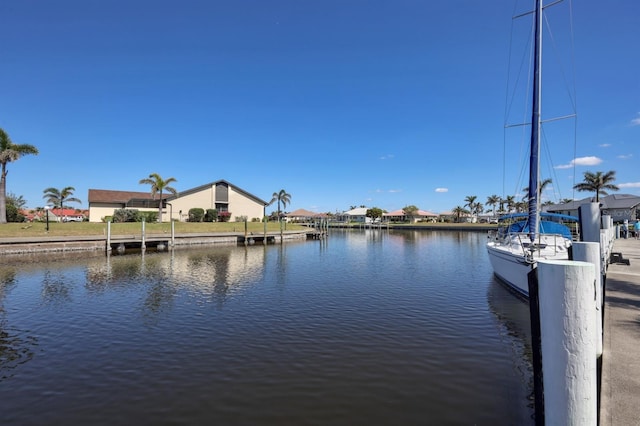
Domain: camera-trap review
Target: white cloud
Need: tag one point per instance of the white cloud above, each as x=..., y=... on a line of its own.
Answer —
x=636, y=121
x=629, y=185
x=604, y=145
x=581, y=161
x=625, y=157
x=384, y=191
x=387, y=157
x=442, y=189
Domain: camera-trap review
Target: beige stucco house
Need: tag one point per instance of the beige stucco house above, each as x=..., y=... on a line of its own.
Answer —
x=220, y=195
x=400, y=216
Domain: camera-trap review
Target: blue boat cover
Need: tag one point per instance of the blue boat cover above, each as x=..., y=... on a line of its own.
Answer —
x=543, y=216
x=544, y=227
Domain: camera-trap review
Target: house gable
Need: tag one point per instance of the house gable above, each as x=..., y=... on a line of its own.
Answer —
x=219, y=195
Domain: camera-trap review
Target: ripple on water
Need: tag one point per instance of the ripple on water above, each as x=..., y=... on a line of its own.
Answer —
x=383, y=329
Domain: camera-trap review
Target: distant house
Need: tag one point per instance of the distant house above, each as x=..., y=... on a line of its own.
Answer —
x=68, y=215
x=400, y=216
x=56, y=215
x=220, y=195
x=354, y=215
x=448, y=216
x=620, y=207
x=300, y=215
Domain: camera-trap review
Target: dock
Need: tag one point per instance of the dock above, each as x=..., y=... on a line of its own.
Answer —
x=138, y=241
x=620, y=375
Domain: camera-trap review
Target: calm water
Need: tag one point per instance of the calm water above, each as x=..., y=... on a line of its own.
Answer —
x=364, y=328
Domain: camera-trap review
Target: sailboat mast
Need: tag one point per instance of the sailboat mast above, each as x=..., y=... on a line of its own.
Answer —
x=534, y=159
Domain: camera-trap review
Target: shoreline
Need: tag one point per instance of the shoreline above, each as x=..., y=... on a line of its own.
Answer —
x=12, y=246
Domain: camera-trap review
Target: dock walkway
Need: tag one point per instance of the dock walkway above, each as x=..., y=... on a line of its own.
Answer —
x=620, y=380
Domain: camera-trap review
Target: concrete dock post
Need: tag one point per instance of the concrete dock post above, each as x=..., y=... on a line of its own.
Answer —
x=590, y=222
x=590, y=252
x=568, y=340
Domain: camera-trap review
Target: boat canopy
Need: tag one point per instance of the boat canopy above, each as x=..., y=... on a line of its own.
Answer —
x=544, y=227
x=550, y=223
x=554, y=217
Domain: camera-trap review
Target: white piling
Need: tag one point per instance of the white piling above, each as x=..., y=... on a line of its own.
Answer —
x=173, y=233
x=108, y=236
x=590, y=221
x=143, y=242
x=568, y=339
x=590, y=252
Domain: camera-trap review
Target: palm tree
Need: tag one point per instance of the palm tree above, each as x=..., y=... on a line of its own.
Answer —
x=478, y=208
x=510, y=200
x=58, y=197
x=284, y=198
x=9, y=152
x=159, y=185
x=459, y=211
x=493, y=201
x=470, y=201
x=543, y=184
x=520, y=206
x=597, y=182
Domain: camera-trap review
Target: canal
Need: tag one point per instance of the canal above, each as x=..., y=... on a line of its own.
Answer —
x=365, y=327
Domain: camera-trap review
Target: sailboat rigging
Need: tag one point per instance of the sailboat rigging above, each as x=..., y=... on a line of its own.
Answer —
x=523, y=239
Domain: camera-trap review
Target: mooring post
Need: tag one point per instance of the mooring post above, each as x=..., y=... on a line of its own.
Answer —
x=567, y=292
x=143, y=245
x=265, y=219
x=589, y=214
x=173, y=233
x=590, y=252
x=108, y=236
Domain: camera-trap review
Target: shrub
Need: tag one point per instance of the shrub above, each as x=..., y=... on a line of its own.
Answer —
x=224, y=216
x=196, y=214
x=211, y=215
x=13, y=215
x=126, y=215
x=241, y=218
x=148, y=216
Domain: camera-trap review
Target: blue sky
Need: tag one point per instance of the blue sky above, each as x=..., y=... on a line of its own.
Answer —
x=339, y=102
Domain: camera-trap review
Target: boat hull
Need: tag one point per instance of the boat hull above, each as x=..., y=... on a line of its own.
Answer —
x=510, y=268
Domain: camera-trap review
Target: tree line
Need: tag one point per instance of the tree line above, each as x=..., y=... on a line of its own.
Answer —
x=597, y=182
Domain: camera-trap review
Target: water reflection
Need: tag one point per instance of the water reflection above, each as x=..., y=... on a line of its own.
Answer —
x=385, y=327
x=514, y=325
x=16, y=346
x=55, y=288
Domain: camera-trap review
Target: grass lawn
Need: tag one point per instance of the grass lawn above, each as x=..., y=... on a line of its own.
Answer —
x=10, y=230
x=32, y=229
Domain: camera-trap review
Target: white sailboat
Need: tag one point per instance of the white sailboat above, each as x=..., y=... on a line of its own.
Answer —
x=524, y=239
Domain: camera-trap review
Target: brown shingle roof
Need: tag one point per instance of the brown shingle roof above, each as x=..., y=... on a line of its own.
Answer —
x=108, y=196
x=301, y=213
